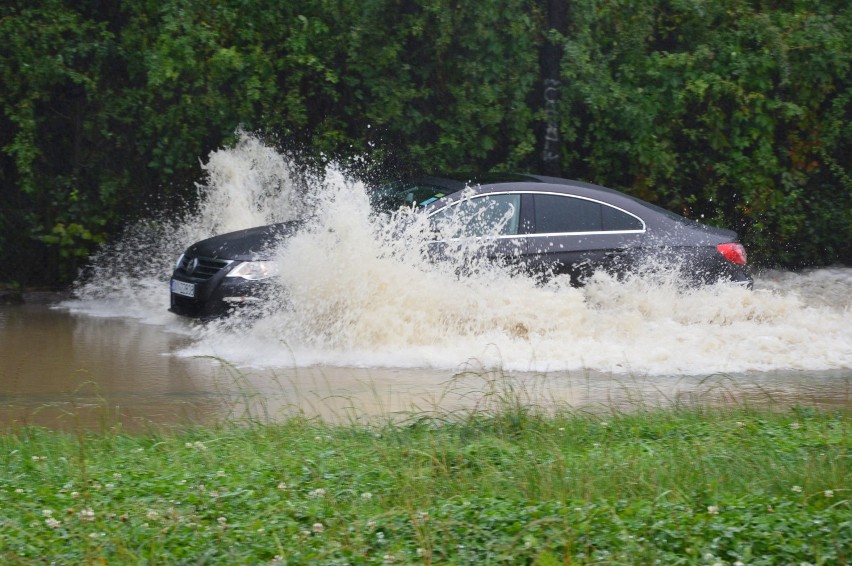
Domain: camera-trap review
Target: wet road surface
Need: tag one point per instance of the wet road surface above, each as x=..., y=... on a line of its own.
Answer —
x=65, y=370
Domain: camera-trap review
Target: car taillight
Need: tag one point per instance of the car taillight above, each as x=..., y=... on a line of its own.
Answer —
x=733, y=252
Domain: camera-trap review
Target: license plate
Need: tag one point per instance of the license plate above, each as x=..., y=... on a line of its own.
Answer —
x=183, y=288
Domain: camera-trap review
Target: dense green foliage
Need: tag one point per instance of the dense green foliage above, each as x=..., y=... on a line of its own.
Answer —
x=738, y=111
x=675, y=487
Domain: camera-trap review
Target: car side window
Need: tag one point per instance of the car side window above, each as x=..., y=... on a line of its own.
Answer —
x=556, y=214
x=487, y=215
x=618, y=220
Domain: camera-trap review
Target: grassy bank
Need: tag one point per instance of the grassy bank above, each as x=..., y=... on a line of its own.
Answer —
x=696, y=486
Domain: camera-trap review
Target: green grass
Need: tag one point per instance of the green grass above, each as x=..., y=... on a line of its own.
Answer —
x=519, y=485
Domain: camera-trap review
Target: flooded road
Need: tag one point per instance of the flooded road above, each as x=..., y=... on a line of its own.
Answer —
x=66, y=370
x=369, y=327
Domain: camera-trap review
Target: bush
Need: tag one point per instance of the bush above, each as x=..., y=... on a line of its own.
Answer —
x=729, y=111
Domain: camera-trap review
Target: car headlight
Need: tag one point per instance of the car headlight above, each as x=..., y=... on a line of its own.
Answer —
x=254, y=270
x=179, y=261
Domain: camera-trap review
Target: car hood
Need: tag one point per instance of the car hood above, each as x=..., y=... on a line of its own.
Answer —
x=243, y=245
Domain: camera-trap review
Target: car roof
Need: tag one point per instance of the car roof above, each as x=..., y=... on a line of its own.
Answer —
x=462, y=180
x=425, y=189
x=536, y=183
x=459, y=181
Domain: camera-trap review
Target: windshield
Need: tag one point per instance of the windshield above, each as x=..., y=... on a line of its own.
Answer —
x=393, y=196
x=420, y=191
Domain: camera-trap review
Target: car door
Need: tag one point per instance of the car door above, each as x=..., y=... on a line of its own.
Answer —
x=485, y=226
x=576, y=236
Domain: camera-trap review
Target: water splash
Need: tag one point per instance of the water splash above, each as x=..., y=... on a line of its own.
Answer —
x=247, y=185
x=359, y=290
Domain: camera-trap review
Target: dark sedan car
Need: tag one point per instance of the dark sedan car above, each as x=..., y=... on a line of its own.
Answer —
x=542, y=225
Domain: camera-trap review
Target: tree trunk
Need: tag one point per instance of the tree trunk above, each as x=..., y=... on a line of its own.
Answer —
x=551, y=56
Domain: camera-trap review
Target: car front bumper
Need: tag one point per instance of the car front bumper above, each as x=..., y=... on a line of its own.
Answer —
x=217, y=296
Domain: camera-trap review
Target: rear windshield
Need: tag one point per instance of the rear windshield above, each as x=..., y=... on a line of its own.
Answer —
x=669, y=214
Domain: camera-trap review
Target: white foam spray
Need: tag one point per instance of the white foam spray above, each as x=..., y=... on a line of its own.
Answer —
x=359, y=291
x=247, y=185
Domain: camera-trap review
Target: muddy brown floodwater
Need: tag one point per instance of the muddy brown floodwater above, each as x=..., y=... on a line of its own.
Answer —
x=65, y=370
